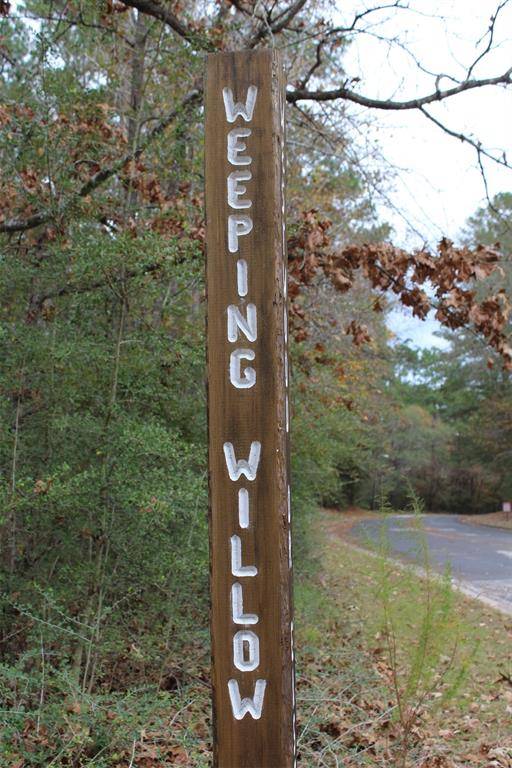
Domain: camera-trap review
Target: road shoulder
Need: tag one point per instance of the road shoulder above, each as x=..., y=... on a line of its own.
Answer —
x=492, y=520
x=472, y=729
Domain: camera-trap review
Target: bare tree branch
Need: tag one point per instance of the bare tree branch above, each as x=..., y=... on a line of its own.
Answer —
x=267, y=24
x=316, y=64
x=287, y=16
x=480, y=150
x=300, y=94
x=353, y=26
x=159, y=11
x=490, y=41
x=397, y=5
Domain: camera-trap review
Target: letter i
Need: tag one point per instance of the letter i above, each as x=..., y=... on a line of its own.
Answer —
x=243, y=508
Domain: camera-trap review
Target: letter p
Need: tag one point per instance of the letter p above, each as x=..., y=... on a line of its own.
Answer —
x=238, y=225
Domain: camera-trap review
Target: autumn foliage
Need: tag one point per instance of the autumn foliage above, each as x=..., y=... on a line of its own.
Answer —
x=443, y=281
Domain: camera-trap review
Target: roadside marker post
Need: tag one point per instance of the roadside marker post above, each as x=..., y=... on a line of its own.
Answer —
x=248, y=413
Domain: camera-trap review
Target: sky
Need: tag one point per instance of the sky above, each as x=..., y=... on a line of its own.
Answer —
x=434, y=179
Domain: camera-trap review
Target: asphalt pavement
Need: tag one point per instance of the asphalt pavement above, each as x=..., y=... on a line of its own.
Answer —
x=479, y=557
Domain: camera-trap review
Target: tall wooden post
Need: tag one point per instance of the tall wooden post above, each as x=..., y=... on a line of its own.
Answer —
x=250, y=543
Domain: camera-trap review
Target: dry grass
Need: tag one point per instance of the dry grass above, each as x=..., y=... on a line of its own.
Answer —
x=494, y=519
x=347, y=706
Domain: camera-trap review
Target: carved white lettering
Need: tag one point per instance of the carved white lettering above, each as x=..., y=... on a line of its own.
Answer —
x=236, y=147
x=235, y=109
x=248, y=379
x=236, y=190
x=241, y=277
x=242, y=640
x=243, y=706
x=241, y=326
x=239, y=224
x=243, y=508
x=248, y=325
x=237, y=607
x=238, y=467
x=237, y=569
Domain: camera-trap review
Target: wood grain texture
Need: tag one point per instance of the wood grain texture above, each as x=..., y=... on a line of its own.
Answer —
x=241, y=416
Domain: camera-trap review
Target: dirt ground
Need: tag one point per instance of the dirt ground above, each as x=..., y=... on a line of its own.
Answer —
x=494, y=519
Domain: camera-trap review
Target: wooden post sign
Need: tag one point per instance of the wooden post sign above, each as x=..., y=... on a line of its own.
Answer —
x=250, y=543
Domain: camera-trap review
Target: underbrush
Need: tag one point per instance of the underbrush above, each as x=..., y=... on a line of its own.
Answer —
x=154, y=712
x=154, y=717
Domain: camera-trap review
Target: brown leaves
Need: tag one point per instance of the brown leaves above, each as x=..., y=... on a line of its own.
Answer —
x=340, y=280
x=30, y=179
x=153, y=751
x=448, y=273
x=417, y=300
x=88, y=138
x=42, y=487
x=358, y=332
x=113, y=6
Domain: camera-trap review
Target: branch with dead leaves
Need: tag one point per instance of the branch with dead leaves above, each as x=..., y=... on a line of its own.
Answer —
x=99, y=178
x=451, y=274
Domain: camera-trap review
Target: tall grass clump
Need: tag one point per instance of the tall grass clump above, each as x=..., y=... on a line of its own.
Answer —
x=424, y=638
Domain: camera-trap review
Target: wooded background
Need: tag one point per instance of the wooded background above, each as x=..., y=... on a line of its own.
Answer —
x=102, y=384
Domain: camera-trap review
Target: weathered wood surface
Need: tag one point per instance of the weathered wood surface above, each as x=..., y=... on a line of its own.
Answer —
x=249, y=516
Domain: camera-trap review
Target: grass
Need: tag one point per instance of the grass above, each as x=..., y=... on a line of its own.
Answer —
x=473, y=727
x=346, y=686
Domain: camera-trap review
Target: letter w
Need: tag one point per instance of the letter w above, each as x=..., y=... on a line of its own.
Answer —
x=234, y=109
x=247, y=467
x=252, y=706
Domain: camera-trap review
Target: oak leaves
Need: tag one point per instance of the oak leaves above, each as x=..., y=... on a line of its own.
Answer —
x=444, y=281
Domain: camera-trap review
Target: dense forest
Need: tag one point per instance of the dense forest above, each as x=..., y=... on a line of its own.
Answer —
x=104, y=565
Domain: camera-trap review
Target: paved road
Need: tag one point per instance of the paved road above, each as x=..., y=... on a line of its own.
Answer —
x=480, y=558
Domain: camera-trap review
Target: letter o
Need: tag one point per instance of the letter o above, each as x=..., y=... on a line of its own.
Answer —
x=245, y=639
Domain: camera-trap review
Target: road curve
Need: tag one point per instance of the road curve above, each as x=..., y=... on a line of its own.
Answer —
x=479, y=557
